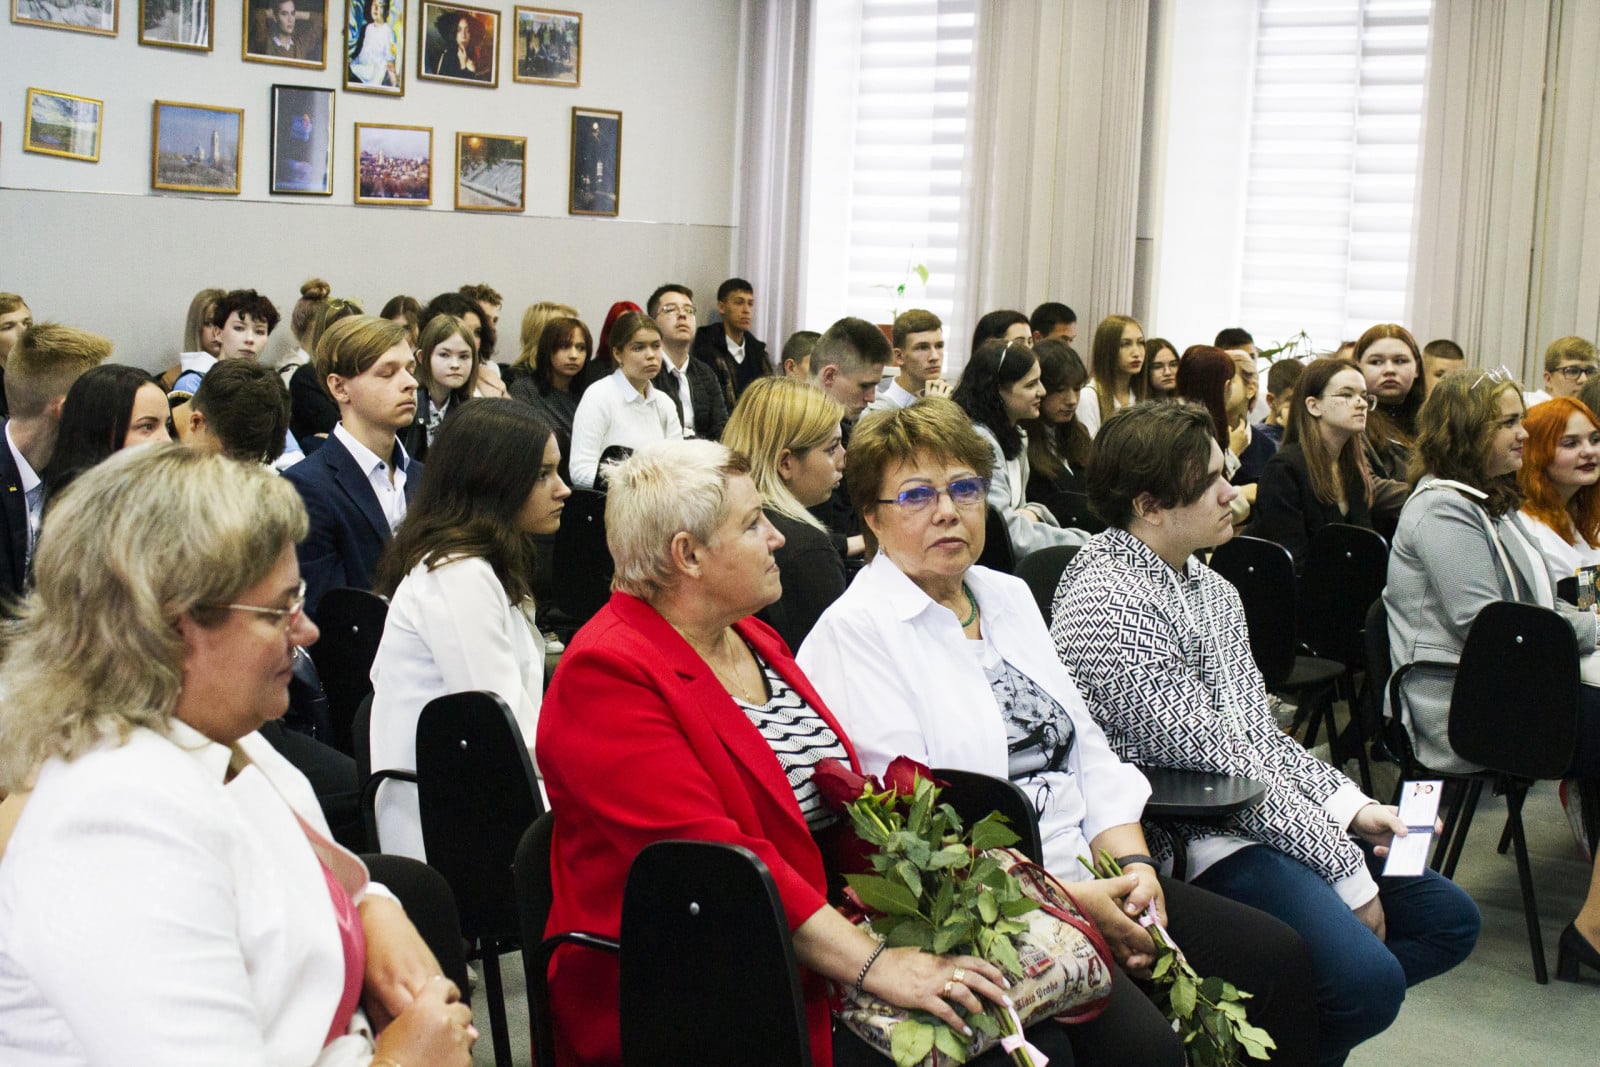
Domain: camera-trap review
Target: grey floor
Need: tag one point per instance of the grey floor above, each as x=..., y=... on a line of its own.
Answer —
x=1488, y=1011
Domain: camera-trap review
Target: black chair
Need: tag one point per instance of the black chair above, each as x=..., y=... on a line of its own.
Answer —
x=1072, y=510
x=1263, y=573
x=612, y=454
x=1518, y=668
x=1567, y=589
x=581, y=560
x=1183, y=796
x=975, y=795
x=530, y=873
x=1346, y=568
x=351, y=621
x=477, y=793
x=429, y=904
x=997, y=551
x=1042, y=571
x=361, y=737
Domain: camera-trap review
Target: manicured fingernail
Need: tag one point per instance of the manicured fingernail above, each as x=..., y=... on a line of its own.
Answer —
x=473, y=1030
x=1006, y=982
x=1006, y=1001
x=966, y=1031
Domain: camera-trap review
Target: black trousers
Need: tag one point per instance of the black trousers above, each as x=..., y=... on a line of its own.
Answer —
x=1249, y=948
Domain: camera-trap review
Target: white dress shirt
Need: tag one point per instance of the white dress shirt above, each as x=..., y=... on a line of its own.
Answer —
x=449, y=630
x=32, y=488
x=153, y=914
x=391, y=492
x=679, y=373
x=892, y=395
x=735, y=348
x=613, y=412
x=896, y=670
x=1562, y=559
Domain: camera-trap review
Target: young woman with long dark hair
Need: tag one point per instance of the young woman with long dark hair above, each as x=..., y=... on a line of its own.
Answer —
x=1058, y=444
x=109, y=408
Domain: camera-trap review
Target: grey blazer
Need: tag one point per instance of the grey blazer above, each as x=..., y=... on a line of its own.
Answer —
x=1444, y=569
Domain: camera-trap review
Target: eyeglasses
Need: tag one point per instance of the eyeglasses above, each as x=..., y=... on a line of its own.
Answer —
x=676, y=309
x=1367, y=400
x=1577, y=372
x=286, y=617
x=963, y=493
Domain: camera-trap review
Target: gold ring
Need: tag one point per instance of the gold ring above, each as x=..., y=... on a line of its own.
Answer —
x=948, y=986
x=960, y=975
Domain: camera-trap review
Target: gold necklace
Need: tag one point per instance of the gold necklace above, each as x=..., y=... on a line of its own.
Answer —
x=735, y=686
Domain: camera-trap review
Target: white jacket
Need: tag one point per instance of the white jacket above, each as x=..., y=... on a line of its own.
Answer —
x=895, y=669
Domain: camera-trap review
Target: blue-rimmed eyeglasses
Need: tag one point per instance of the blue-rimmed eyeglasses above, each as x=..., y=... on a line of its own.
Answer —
x=963, y=493
x=286, y=617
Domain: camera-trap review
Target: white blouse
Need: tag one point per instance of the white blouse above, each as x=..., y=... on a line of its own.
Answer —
x=1562, y=559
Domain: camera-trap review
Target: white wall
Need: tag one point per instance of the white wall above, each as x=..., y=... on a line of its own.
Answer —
x=93, y=245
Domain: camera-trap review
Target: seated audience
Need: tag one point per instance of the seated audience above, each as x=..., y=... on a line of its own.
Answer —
x=1004, y=325
x=797, y=354
x=482, y=325
x=847, y=364
x=1252, y=448
x=1438, y=359
x=489, y=299
x=172, y=894
x=39, y=373
x=447, y=373
x=1158, y=645
x=1115, y=361
x=1560, y=469
x=200, y=335
x=1569, y=362
x=625, y=409
x=1238, y=338
x=601, y=365
x=534, y=320
x=1160, y=374
x=562, y=354
x=241, y=410
x=929, y=656
x=1000, y=387
x=313, y=294
x=1389, y=357
x=313, y=414
x=459, y=577
x=1052, y=321
x=1058, y=445
x=1281, y=379
x=919, y=354
x=728, y=347
x=405, y=310
x=691, y=384
x=244, y=318
x=1210, y=378
x=109, y=408
x=357, y=485
x=673, y=714
x=789, y=432
x=1320, y=474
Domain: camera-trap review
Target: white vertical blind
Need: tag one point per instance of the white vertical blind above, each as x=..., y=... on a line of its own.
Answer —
x=906, y=145
x=1335, y=139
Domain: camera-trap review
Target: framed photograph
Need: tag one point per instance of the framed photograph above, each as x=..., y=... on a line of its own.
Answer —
x=195, y=148
x=302, y=141
x=79, y=16
x=459, y=44
x=548, y=49
x=491, y=172
x=596, y=161
x=176, y=24
x=291, y=32
x=394, y=165
x=375, y=46
x=62, y=125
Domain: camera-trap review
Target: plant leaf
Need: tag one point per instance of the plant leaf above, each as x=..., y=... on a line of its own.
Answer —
x=880, y=894
x=921, y=272
x=949, y=856
x=1021, y=906
x=991, y=832
x=911, y=1042
x=1183, y=992
x=988, y=908
x=912, y=933
x=1003, y=954
x=907, y=872
x=985, y=1022
x=950, y=1043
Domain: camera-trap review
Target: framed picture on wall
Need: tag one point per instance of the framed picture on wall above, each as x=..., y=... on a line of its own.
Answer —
x=394, y=165
x=459, y=44
x=63, y=125
x=176, y=24
x=375, y=46
x=291, y=32
x=491, y=172
x=548, y=47
x=79, y=16
x=596, y=161
x=195, y=148
x=302, y=141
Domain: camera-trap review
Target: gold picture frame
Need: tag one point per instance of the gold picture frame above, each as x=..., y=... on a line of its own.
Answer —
x=56, y=125
x=438, y=61
x=310, y=39
x=377, y=179
x=547, y=61
x=499, y=164
x=196, y=148
x=189, y=28
x=595, y=182
x=33, y=13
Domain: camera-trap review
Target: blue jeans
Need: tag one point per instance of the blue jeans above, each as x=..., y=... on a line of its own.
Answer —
x=1361, y=982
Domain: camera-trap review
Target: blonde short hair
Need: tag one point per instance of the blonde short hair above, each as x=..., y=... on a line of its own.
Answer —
x=352, y=345
x=775, y=415
x=657, y=493
x=96, y=650
x=45, y=363
x=1564, y=349
x=534, y=320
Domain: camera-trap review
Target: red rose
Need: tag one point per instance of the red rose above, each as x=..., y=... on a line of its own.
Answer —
x=838, y=784
x=902, y=773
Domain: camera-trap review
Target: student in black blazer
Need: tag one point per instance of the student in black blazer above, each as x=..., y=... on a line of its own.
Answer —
x=357, y=485
x=736, y=303
x=14, y=538
x=707, y=406
x=1320, y=475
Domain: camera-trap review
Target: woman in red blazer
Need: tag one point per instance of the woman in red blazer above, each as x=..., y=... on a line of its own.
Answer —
x=649, y=732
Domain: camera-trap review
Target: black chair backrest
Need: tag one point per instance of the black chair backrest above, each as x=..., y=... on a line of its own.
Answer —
x=708, y=965
x=429, y=904
x=612, y=454
x=1042, y=571
x=351, y=621
x=1072, y=509
x=581, y=560
x=1346, y=568
x=477, y=793
x=1514, y=705
x=361, y=738
x=1379, y=664
x=1263, y=573
x=975, y=795
x=997, y=552
x=1567, y=589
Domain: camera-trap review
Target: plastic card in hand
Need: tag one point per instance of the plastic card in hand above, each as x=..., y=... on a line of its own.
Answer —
x=1419, y=808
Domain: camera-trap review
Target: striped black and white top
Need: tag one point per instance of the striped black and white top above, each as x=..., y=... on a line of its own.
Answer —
x=800, y=738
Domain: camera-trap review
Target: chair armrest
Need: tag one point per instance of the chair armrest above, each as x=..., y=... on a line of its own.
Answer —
x=369, y=801
x=537, y=965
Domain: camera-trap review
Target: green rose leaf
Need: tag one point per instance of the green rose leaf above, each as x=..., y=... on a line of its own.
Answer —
x=985, y=1022
x=950, y=1043
x=880, y=894
x=989, y=908
x=991, y=832
x=1021, y=906
x=1183, y=996
x=911, y=1043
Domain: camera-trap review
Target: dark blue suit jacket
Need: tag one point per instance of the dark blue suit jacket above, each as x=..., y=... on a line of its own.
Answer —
x=348, y=530
x=14, y=536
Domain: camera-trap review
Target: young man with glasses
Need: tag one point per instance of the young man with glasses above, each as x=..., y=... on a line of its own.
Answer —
x=736, y=354
x=1569, y=363
x=692, y=384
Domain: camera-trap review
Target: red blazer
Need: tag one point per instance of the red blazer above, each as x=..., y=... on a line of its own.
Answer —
x=639, y=742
